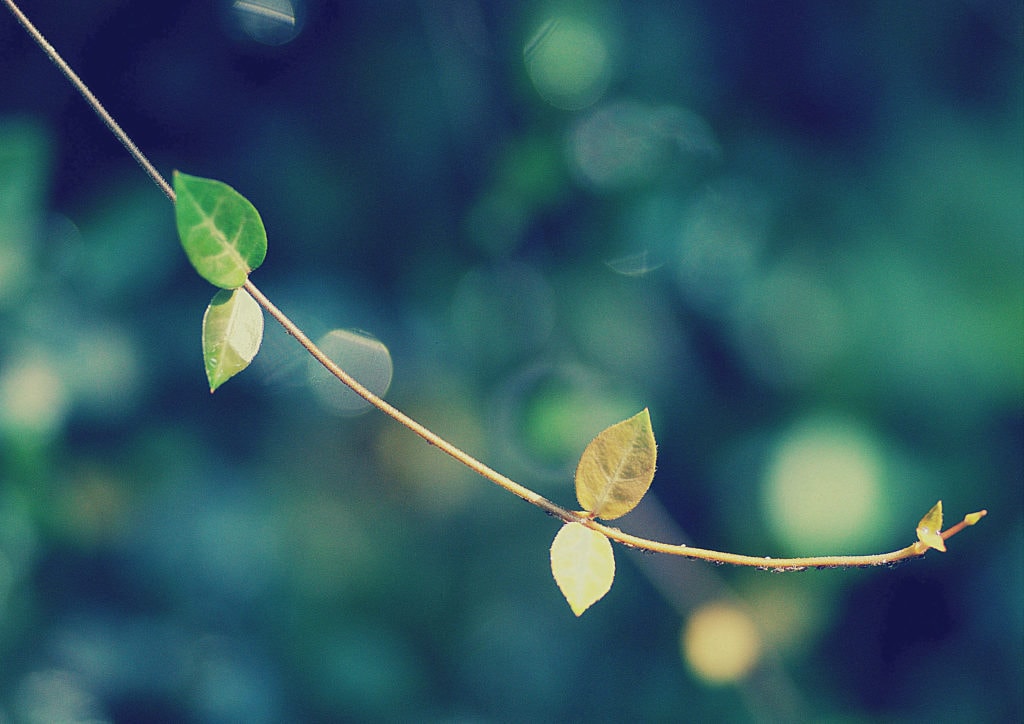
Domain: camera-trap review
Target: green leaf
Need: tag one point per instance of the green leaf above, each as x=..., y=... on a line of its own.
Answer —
x=929, y=530
x=583, y=565
x=617, y=467
x=232, y=333
x=222, y=233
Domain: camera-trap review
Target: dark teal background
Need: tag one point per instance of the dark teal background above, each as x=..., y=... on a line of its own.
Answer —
x=168, y=555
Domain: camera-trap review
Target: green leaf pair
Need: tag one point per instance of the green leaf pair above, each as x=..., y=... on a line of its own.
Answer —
x=613, y=475
x=224, y=239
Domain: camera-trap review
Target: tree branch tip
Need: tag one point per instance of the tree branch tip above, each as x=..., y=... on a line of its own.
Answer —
x=973, y=518
x=969, y=519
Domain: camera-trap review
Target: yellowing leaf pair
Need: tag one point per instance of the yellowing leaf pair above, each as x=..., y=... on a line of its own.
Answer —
x=614, y=473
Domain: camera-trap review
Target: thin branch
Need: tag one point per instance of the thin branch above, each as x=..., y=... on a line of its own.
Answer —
x=763, y=562
x=914, y=550
x=92, y=100
x=776, y=564
x=569, y=516
x=401, y=418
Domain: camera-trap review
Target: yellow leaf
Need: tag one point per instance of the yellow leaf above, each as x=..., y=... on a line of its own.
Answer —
x=929, y=530
x=583, y=565
x=617, y=467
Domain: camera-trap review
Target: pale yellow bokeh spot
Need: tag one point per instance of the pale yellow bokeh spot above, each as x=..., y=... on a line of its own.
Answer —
x=823, y=486
x=720, y=643
x=33, y=397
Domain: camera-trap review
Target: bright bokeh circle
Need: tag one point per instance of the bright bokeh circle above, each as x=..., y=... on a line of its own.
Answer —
x=720, y=643
x=823, y=487
x=568, y=62
x=364, y=357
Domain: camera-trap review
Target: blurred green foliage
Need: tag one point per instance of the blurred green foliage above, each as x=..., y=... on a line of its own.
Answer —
x=792, y=230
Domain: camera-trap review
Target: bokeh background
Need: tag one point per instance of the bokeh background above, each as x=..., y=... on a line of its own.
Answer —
x=793, y=230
